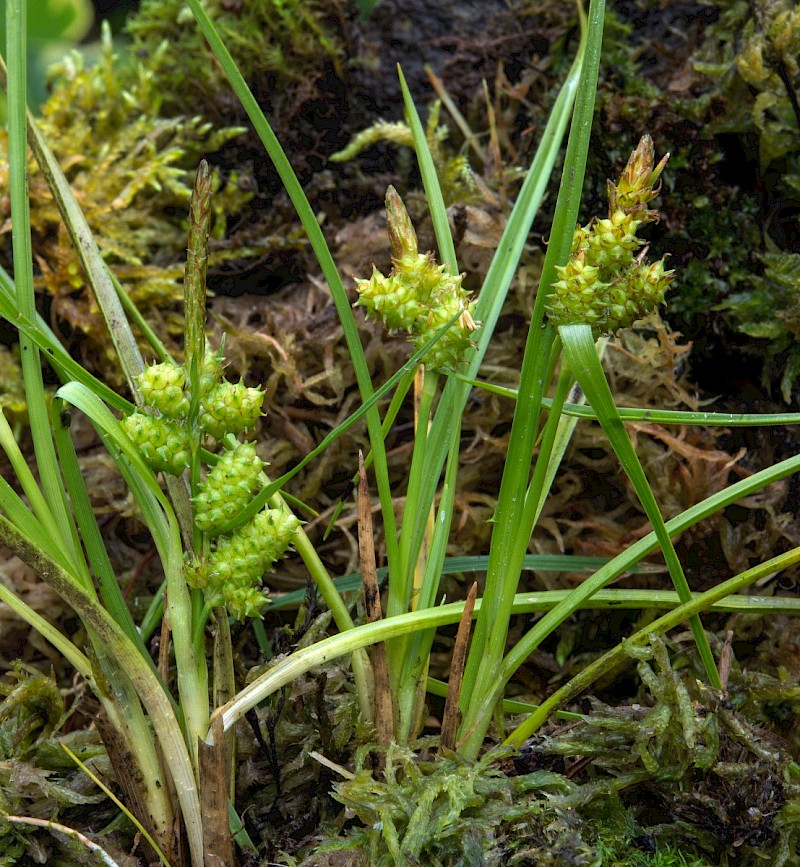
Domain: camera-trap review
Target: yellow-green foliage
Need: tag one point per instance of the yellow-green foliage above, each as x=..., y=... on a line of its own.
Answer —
x=12, y=389
x=131, y=172
x=452, y=169
x=283, y=37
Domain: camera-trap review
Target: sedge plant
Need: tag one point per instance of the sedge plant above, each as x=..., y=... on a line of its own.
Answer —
x=219, y=522
x=421, y=292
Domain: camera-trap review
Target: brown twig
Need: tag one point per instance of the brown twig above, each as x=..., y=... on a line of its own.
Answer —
x=725, y=660
x=384, y=718
x=452, y=714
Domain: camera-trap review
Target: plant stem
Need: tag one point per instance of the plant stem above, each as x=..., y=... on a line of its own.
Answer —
x=511, y=531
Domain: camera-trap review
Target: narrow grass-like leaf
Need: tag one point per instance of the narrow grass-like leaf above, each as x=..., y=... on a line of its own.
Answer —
x=336, y=646
x=78, y=660
x=26, y=522
x=96, y=551
x=512, y=527
x=430, y=182
x=570, y=602
x=579, y=351
x=494, y=291
x=323, y=255
x=656, y=416
x=25, y=477
x=687, y=611
x=47, y=465
x=458, y=565
x=109, y=794
x=40, y=333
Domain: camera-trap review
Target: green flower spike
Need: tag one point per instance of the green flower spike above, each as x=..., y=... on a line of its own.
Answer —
x=418, y=296
x=230, y=408
x=605, y=283
x=164, y=444
x=235, y=568
x=228, y=487
x=163, y=387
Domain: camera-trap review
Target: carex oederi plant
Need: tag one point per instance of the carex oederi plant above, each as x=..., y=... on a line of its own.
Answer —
x=186, y=450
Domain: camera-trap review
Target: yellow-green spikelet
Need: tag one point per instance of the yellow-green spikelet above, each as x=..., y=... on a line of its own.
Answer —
x=163, y=444
x=230, y=408
x=163, y=387
x=228, y=487
x=235, y=567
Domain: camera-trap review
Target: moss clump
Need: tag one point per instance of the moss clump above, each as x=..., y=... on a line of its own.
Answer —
x=130, y=170
x=37, y=778
x=283, y=38
x=750, y=57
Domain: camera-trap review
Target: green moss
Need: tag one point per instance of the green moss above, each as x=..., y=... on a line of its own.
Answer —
x=453, y=170
x=279, y=37
x=751, y=57
x=131, y=171
x=770, y=309
x=37, y=778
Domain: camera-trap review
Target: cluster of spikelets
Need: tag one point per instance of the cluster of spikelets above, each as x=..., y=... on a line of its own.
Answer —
x=419, y=296
x=230, y=573
x=164, y=440
x=606, y=282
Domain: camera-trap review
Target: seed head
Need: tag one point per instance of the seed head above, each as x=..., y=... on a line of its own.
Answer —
x=164, y=444
x=163, y=387
x=230, y=408
x=228, y=487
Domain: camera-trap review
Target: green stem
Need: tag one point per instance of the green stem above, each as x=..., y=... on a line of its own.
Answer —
x=511, y=530
x=401, y=586
x=411, y=695
x=362, y=670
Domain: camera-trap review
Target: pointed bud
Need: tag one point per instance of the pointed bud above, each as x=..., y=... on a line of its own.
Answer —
x=402, y=236
x=637, y=183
